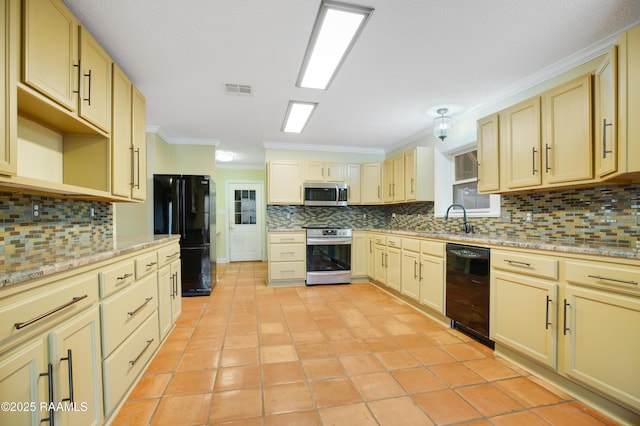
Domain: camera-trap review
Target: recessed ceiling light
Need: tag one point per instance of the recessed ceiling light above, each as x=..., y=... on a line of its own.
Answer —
x=224, y=155
x=334, y=33
x=298, y=114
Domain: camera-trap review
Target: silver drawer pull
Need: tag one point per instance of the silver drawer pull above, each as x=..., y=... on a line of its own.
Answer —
x=169, y=256
x=149, y=342
x=124, y=277
x=149, y=265
x=147, y=300
x=600, y=277
x=517, y=263
x=20, y=325
x=288, y=252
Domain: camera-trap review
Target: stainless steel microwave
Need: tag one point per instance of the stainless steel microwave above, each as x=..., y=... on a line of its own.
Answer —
x=325, y=194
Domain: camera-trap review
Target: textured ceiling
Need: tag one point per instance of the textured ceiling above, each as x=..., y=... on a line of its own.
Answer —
x=412, y=56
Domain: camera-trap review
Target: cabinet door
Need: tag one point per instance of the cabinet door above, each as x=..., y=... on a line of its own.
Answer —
x=359, y=255
x=600, y=349
x=568, y=151
x=393, y=261
x=489, y=154
x=410, y=274
x=51, y=51
x=283, y=180
x=354, y=184
x=371, y=259
x=23, y=379
x=398, y=178
x=410, y=175
x=9, y=42
x=74, y=352
x=313, y=171
x=606, y=120
x=139, y=143
x=522, y=144
x=176, y=299
x=334, y=172
x=165, y=297
x=522, y=315
x=431, y=275
x=380, y=264
x=95, y=87
x=371, y=183
x=387, y=180
x=121, y=179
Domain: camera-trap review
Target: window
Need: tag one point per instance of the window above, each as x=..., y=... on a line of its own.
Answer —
x=465, y=182
x=245, y=207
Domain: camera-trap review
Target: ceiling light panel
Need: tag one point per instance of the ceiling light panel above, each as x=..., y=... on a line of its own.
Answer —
x=297, y=116
x=334, y=33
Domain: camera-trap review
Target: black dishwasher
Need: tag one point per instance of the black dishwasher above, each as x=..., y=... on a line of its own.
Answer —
x=467, y=291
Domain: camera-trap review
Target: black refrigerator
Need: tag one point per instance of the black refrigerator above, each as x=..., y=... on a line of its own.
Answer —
x=183, y=205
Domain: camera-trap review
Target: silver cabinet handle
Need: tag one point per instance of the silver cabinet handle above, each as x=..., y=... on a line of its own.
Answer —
x=564, y=327
x=133, y=362
x=546, y=157
x=518, y=263
x=68, y=358
x=49, y=374
x=604, y=138
x=150, y=265
x=20, y=325
x=124, y=277
x=533, y=156
x=547, y=323
x=139, y=308
x=88, y=100
x=415, y=269
x=600, y=277
x=169, y=256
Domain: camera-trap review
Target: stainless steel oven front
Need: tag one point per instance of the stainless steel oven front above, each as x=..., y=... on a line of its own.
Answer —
x=328, y=256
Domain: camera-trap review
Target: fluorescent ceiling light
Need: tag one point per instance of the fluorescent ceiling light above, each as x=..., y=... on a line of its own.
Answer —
x=334, y=33
x=298, y=114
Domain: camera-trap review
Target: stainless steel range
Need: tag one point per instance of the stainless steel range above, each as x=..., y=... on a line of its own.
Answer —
x=328, y=256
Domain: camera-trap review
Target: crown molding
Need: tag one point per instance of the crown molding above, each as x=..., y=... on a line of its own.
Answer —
x=181, y=141
x=321, y=148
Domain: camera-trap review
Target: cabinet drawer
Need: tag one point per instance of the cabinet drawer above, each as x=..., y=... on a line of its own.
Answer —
x=623, y=278
x=117, y=277
x=411, y=244
x=25, y=314
x=124, y=312
x=168, y=255
x=432, y=248
x=146, y=264
x=287, y=271
x=286, y=252
x=394, y=242
x=125, y=364
x=287, y=237
x=380, y=239
x=527, y=264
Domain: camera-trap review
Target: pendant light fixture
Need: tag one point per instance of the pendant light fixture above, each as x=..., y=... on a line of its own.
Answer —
x=442, y=124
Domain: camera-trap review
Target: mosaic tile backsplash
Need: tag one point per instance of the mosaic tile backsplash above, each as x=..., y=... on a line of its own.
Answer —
x=595, y=216
x=64, y=227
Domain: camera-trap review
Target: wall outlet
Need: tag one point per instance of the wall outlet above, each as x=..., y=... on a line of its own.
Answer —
x=393, y=215
x=505, y=217
x=528, y=217
x=36, y=212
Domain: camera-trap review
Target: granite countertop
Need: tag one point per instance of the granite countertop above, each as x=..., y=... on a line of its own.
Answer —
x=24, y=266
x=497, y=239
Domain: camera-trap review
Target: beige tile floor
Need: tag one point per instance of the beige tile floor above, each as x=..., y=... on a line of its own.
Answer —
x=331, y=355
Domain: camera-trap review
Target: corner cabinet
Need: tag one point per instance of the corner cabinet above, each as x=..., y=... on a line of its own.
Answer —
x=9, y=40
x=284, y=182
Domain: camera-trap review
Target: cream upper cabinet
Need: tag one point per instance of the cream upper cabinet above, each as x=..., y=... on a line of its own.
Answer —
x=393, y=179
x=522, y=144
x=51, y=51
x=354, y=184
x=284, y=182
x=371, y=182
x=138, y=145
x=568, y=153
x=121, y=178
x=323, y=172
x=606, y=120
x=9, y=40
x=95, y=82
x=489, y=154
x=419, y=174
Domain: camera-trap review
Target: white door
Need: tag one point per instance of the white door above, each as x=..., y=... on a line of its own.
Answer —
x=245, y=221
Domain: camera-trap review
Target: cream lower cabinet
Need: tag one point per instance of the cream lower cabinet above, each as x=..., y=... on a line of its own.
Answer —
x=524, y=303
x=600, y=311
x=169, y=296
x=287, y=254
x=431, y=275
x=359, y=254
x=379, y=258
x=411, y=268
x=393, y=262
x=371, y=260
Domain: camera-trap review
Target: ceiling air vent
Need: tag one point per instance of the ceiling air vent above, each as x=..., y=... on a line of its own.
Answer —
x=238, y=89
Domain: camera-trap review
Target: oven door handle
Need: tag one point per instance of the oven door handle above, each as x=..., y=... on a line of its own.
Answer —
x=328, y=241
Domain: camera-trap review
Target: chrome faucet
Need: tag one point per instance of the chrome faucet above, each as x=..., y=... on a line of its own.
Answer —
x=466, y=227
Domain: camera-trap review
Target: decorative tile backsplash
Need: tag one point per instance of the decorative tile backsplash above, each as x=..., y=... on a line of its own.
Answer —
x=595, y=216
x=64, y=225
